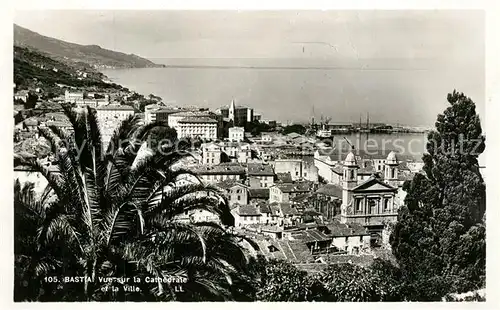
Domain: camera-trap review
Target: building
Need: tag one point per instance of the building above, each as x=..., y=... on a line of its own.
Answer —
x=246, y=215
x=21, y=95
x=110, y=117
x=236, y=192
x=257, y=117
x=328, y=199
x=72, y=97
x=285, y=192
x=197, y=127
x=299, y=169
x=236, y=152
x=236, y=134
x=239, y=115
x=211, y=154
x=219, y=173
x=350, y=238
x=114, y=112
x=371, y=202
x=81, y=101
x=260, y=175
x=150, y=112
x=174, y=118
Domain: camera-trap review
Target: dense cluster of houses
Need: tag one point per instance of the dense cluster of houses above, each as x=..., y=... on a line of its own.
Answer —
x=298, y=198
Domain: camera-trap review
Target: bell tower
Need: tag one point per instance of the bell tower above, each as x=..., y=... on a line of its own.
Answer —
x=391, y=170
x=349, y=181
x=232, y=110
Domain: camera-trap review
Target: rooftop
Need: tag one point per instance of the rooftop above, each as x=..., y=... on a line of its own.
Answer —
x=262, y=193
x=293, y=187
x=284, y=177
x=331, y=190
x=115, y=108
x=260, y=169
x=312, y=235
x=227, y=184
x=228, y=168
x=248, y=210
x=338, y=229
x=198, y=120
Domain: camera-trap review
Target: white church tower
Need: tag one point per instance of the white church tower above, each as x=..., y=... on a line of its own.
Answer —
x=349, y=181
x=391, y=170
x=232, y=110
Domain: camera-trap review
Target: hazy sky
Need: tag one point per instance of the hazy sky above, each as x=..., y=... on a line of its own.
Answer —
x=449, y=45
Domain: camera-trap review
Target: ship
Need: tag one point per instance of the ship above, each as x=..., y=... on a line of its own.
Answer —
x=324, y=134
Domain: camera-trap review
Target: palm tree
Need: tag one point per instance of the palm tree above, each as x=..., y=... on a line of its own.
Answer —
x=115, y=213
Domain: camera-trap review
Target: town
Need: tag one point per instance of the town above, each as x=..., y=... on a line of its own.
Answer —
x=319, y=156
x=299, y=196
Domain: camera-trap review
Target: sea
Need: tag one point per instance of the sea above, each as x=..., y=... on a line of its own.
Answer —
x=291, y=94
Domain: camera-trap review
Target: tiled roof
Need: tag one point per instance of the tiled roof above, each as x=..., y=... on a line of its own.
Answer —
x=115, y=108
x=293, y=187
x=248, y=210
x=331, y=190
x=285, y=177
x=260, y=169
x=338, y=229
x=31, y=122
x=198, y=120
x=227, y=184
x=220, y=169
x=264, y=208
x=288, y=209
x=312, y=236
x=259, y=193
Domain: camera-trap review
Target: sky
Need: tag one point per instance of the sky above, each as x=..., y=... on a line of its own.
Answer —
x=448, y=46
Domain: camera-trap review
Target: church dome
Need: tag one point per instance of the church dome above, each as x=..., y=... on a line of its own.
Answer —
x=350, y=159
x=391, y=157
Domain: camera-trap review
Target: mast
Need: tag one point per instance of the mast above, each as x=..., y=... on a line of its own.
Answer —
x=367, y=120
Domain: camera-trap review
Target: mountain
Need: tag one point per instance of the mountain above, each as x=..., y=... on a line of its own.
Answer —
x=33, y=69
x=92, y=55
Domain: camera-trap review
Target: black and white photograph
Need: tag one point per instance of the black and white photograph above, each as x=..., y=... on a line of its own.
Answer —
x=249, y=155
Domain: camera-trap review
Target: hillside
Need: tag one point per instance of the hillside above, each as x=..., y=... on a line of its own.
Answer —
x=34, y=69
x=67, y=52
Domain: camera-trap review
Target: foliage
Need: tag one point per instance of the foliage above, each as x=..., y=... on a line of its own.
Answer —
x=349, y=282
x=281, y=281
x=31, y=101
x=33, y=69
x=115, y=213
x=439, y=240
x=297, y=128
x=256, y=127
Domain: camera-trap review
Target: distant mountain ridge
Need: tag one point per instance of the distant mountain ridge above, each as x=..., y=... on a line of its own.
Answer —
x=92, y=55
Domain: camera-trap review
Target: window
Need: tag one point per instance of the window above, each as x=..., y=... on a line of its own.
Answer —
x=351, y=174
x=296, y=173
x=358, y=205
x=393, y=173
x=386, y=204
x=239, y=197
x=360, y=238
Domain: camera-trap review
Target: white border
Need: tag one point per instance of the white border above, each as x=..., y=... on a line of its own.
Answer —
x=490, y=125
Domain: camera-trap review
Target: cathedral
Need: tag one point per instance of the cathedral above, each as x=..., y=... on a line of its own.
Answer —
x=371, y=202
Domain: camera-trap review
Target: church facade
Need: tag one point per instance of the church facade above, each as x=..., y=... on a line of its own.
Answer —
x=371, y=202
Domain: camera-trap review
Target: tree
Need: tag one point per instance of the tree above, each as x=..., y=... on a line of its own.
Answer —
x=31, y=101
x=115, y=213
x=439, y=240
x=297, y=128
x=282, y=281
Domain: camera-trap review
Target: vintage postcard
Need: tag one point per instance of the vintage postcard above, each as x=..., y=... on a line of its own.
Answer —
x=265, y=155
